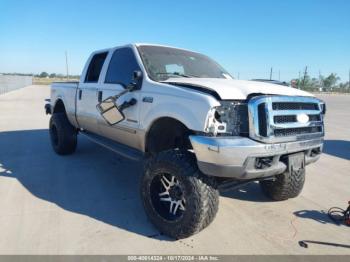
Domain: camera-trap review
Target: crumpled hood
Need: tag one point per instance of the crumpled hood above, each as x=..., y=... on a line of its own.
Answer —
x=238, y=89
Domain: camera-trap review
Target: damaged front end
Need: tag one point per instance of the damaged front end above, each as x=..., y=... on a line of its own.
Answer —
x=228, y=119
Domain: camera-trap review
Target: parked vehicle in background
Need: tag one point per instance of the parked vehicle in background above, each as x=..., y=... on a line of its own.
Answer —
x=196, y=128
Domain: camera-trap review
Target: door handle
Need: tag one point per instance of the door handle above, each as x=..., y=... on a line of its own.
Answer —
x=99, y=96
x=80, y=92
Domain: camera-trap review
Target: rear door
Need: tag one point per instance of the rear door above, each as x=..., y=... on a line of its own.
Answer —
x=87, y=95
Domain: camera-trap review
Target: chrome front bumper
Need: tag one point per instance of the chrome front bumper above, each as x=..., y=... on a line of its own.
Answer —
x=237, y=157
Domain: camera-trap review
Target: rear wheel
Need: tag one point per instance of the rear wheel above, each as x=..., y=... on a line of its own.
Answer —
x=63, y=135
x=178, y=199
x=286, y=185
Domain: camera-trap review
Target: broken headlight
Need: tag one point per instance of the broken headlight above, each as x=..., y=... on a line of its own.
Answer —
x=231, y=119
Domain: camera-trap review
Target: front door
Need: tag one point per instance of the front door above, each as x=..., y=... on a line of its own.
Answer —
x=120, y=74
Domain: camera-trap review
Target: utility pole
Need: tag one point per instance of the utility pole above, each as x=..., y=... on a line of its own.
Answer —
x=305, y=73
x=67, y=65
x=279, y=75
x=349, y=79
x=271, y=74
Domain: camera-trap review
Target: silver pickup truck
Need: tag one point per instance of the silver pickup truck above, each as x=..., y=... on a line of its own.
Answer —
x=196, y=128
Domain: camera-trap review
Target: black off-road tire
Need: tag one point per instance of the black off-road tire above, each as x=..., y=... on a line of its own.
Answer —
x=63, y=135
x=200, y=194
x=286, y=185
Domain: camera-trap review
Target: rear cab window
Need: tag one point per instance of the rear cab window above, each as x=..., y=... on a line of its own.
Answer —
x=95, y=67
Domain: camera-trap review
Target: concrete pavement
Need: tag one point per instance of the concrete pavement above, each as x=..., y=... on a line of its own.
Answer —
x=88, y=203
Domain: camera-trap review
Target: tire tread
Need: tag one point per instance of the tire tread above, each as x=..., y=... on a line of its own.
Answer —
x=67, y=134
x=205, y=195
x=287, y=185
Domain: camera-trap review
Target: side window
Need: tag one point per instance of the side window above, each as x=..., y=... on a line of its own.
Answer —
x=121, y=67
x=95, y=68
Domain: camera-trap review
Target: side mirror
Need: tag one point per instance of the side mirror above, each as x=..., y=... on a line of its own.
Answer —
x=136, y=80
x=137, y=75
x=110, y=111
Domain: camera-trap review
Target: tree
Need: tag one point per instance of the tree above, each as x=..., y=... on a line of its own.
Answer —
x=306, y=83
x=53, y=75
x=43, y=74
x=344, y=87
x=330, y=81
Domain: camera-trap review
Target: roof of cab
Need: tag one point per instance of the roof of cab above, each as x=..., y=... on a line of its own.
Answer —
x=147, y=44
x=137, y=45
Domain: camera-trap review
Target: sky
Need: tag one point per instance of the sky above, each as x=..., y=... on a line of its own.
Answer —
x=245, y=37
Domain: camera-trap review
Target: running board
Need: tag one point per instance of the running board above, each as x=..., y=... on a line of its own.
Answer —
x=122, y=150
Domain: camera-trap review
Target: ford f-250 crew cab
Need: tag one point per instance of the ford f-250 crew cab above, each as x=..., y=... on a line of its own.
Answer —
x=196, y=128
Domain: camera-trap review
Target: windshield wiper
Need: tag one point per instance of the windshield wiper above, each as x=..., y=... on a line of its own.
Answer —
x=177, y=74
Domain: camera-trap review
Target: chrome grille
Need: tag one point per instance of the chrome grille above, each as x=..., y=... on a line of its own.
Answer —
x=293, y=118
x=282, y=118
x=294, y=106
x=297, y=131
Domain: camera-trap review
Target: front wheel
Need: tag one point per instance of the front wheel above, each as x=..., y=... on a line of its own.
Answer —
x=286, y=185
x=178, y=199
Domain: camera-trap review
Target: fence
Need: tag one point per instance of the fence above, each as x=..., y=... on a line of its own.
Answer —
x=12, y=82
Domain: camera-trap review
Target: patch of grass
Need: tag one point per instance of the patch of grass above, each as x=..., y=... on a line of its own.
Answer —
x=48, y=81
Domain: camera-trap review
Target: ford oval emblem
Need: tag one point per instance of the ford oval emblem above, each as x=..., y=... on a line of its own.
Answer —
x=303, y=118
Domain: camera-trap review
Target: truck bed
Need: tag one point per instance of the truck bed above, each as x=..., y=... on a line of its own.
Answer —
x=65, y=91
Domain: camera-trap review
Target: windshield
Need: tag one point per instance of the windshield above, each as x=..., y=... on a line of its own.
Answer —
x=162, y=63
